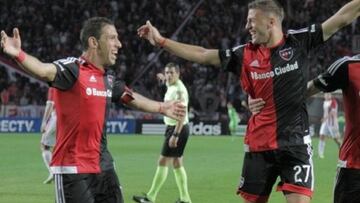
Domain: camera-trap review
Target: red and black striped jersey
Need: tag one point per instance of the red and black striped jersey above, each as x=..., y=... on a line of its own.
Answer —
x=278, y=75
x=83, y=96
x=344, y=74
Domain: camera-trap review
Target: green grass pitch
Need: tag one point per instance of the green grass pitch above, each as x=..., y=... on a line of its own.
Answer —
x=213, y=165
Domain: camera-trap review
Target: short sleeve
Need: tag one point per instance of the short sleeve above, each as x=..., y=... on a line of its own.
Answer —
x=231, y=59
x=309, y=37
x=118, y=90
x=335, y=77
x=67, y=72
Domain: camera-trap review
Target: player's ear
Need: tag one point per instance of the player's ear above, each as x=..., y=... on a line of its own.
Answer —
x=271, y=23
x=93, y=42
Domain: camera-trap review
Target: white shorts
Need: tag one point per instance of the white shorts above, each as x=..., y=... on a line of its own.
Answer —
x=330, y=131
x=48, y=137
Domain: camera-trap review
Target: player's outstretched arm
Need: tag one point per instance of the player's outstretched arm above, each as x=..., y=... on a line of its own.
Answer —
x=12, y=47
x=172, y=109
x=348, y=13
x=189, y=52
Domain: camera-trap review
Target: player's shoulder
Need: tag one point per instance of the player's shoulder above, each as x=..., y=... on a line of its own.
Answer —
x=70, y=62
x=342, y=63
x=301, y=31
x=180, y=84
x=182, y=87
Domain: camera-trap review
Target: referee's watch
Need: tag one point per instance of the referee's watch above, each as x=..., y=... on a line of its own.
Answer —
x=175, y=134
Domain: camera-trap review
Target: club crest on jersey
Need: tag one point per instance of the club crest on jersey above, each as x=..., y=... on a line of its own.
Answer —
x=286, y=54
x=110, y=79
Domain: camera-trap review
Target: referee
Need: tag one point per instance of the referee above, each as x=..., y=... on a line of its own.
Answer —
x=176, y=136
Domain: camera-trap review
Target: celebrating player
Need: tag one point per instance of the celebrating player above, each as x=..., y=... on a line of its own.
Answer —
x=85, y=87
x=272, y=66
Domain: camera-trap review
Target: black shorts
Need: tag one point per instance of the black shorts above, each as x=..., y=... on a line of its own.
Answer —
x=260, y=170
x=103, y=187
x=179, y=150
x=347, y=186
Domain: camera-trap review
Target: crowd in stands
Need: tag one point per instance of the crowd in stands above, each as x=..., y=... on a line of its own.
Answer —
x=50, y=30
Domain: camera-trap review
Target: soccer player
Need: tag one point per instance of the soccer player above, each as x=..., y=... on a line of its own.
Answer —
x=272, y=66
x=342, y=74
x=176, y=136
x=329, y=125
x=82, y=165
x=48, y=130
x=233, y=118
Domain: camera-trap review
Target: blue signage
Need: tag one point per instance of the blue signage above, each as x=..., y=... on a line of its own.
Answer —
x=20, y=125
x=32, y=125
x=121, y=126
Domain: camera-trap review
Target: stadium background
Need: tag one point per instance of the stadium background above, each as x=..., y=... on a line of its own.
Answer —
x=50, y=30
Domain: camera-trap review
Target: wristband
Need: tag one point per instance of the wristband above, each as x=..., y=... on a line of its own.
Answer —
x=175, y=134
x=127, y=96
x=162, y=42
x=21, y=57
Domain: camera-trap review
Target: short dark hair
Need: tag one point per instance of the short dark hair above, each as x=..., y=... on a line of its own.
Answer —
x=271, y=6
x=173, y=65
x=92, y=28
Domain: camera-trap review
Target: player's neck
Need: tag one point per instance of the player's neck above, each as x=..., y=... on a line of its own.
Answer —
x=93, y=58
x=275, y=39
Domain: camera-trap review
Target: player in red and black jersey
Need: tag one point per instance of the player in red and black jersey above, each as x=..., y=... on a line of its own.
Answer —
x=344, y=74
x=85, y=87
x=273, y=66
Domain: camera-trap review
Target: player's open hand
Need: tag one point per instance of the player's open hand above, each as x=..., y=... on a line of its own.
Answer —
x=173, y=141
x=255, y=105
x=174, y=109
x=11, y=45
x=151, y=33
